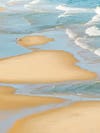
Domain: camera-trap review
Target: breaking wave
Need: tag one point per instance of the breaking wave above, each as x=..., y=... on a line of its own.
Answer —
x=93, y=31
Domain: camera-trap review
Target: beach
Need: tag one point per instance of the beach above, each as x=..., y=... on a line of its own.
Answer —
x=42, y=67
x=79, y=117
x=11, y=101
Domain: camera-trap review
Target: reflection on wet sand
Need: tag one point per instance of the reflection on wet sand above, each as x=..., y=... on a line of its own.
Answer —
x=81, y=117
x=10, y=101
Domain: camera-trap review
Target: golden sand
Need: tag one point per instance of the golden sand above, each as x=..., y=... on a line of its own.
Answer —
x=2, y=9
x=42, y=67
x=34, y=40
x=82, y=117
x=11, y=101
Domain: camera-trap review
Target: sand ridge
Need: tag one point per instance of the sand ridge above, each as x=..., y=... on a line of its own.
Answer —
x=44, y=66
x=28, y=41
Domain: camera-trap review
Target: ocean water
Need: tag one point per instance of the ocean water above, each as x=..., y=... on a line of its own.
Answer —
x=75, y=26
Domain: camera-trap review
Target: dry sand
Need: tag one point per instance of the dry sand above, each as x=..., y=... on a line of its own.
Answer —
x=42, y=67
x=33, y=40
x=82, y=117
x=11, y=101
x=2, y=9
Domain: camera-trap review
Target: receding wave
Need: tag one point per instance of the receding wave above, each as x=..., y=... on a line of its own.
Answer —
x=68, y=9
x=45, y=6
x=97, y=51
x=72, y=35
x=97, y=10
x=82, y=42
x=93, y=31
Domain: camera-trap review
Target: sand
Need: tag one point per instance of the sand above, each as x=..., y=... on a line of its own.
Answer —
x=2, y=9
x=34, y=40
x=82, y=117
x=10, y=101
x=42, y=67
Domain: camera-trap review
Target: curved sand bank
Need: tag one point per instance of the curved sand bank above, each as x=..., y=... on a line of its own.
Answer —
x=33, y=40
x=2, y=9
x=42, y=67
x=82, y=117
x=11, y=101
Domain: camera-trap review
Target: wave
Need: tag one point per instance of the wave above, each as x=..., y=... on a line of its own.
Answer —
x=30, y=5
x=45, y=5
x=72, y=35
x=93, y=31
x=97, y=51
x=72, y=10
x=97, y=10
x=82, y=41
x=68, y=9
x=95, y=19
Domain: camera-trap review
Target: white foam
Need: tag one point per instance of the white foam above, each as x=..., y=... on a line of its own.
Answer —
x=41, y=6
x=34, y=2
x=72, y=10
x=93, y=31
x=97, y=51
x=94, y=20
x=82, y=43
x=72, y=35
x=68, y=9
x=97, y=10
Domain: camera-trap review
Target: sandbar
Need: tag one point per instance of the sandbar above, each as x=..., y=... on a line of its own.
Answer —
x=28, y=41
x=44, y=66
x=10, y=101
x=81, y=117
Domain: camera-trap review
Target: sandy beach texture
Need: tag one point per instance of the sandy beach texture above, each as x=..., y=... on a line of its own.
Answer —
x=2, y=9
x=81, y=117
x=42, y=67
x=10, y=101
x=33, y=40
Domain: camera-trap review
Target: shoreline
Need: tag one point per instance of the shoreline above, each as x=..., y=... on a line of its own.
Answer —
x=12, y=101
x=62, y=119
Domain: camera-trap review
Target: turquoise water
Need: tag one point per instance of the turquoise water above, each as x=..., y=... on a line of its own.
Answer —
x=75, y=26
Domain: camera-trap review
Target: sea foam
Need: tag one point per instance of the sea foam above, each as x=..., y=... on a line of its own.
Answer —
x=97, y=10
x=93, y=31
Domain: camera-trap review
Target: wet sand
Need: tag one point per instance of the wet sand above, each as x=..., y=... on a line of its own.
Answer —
x=42, y=67
x=10, y=101
x=2, y=9
x=81, y=117
x=34, y=40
